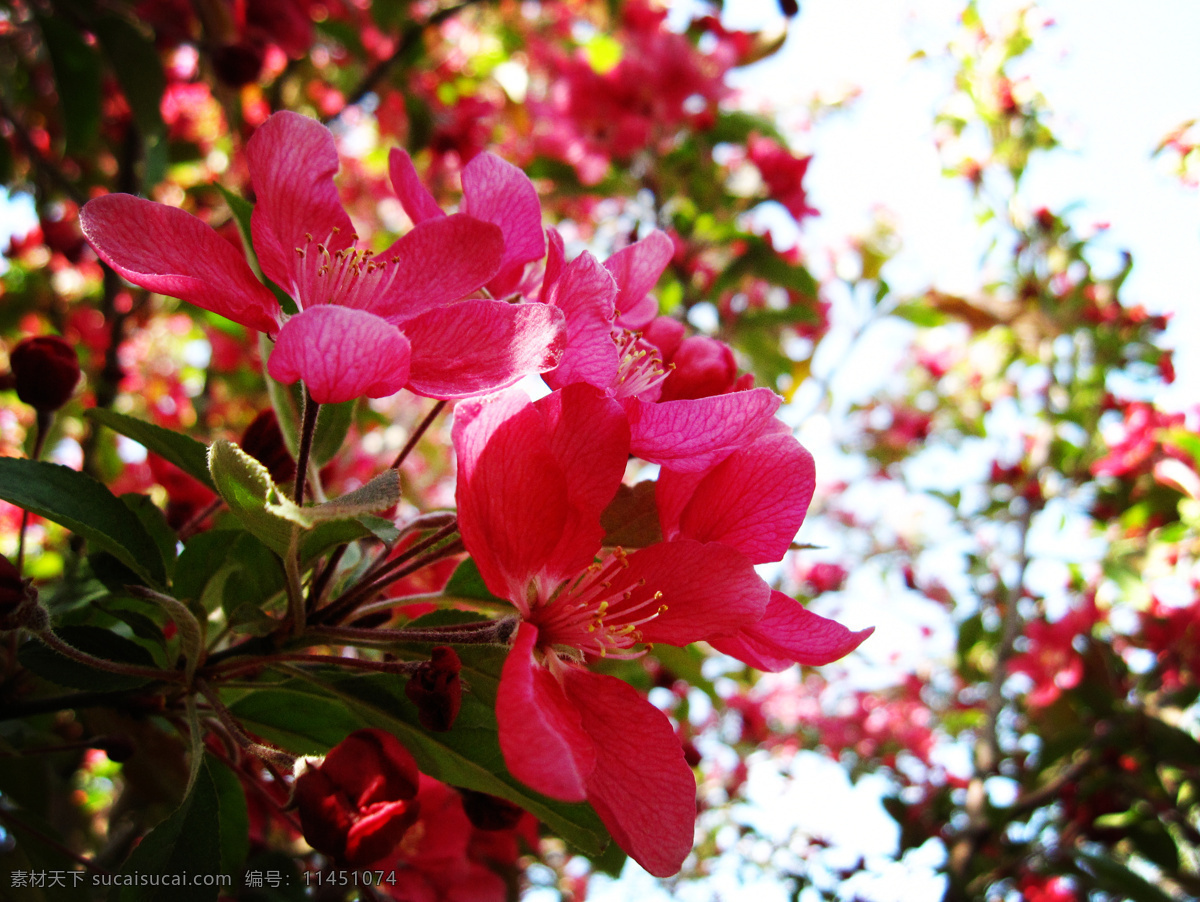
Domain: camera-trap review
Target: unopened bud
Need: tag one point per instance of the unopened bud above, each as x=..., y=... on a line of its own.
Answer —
x=488, y=812
x=19, y=600
x=263, y=440
x=46, y=371
x=436, y=689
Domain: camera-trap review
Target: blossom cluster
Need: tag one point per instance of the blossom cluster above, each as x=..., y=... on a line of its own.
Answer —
x=460, y=308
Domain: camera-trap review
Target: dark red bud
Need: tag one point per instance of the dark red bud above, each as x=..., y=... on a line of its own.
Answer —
x=238, y=64
x=46, y=371
x=436, y=689
x=18, y=599
x=263, y=440
x=356, y=803
x=487, y=812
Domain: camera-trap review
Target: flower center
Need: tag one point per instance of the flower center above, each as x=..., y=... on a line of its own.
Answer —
x=640, y=369
x=350, y=277
x=600, y=612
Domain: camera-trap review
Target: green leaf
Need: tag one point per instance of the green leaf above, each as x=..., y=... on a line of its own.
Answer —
x=246, y=486
x=333, y=422
x=85, y=507
x=466, y=582
x=101, y=643
x=334, y=704
x=235, y=818
x=631, y=518
x=187, y=843
x=379, y=494
x=77, y=76
x=155, y=522
x=139, y=71
x=186, y=453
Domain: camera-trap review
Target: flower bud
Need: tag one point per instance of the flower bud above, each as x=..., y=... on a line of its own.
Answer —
x=357, y=802
x=436, y=689
x=263, y=440
x=488, y=812
x=18, y=600
x=46, y=370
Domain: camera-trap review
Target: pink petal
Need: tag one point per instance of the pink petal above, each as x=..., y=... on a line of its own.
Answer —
x=499, y=192
x=418, y=203
x=589, y=437
x=512, y=495
x=340, y=353
x=439, y=261
x=639, y=314
x=480, y=346
x=585, y=295
x=754, y=500
x=164, y=249
x=636, y=269
x=555, y=260
x=541, y=737
x=692, y=435
x=293, y=160
x=790, y=634
x=640, y=786
x=707, y=590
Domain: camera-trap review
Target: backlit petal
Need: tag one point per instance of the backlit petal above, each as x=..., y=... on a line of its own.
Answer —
x=439, y=261
x=754, y=500
x=640, y=785
x=543, y=742
x=418, y=203
x=636, y=269
x=585, y=294
x=692, y=435
x=497, y=191
x=167, y=250
x=481, y=346
x=292, y=161
x=340, y=353
x=787, y=634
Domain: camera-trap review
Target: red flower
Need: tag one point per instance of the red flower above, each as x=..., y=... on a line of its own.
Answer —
x=367, y=325
x=357, y=802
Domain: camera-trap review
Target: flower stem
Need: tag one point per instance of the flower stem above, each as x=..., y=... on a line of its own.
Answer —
x=277, y=757
x=45, y=419
x=69, y=651
x=308, y=429
x=491, y=632
x=417, y=433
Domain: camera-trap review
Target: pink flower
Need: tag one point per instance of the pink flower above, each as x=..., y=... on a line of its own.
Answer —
x=684, y=434
x=533, y=479
x=367, y=324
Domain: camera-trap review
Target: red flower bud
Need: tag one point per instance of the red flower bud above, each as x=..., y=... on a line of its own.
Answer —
x=46, y=370
x=357, y=802
x=436, y=690
x=18, y=599
x=263, y=440
x=487, y=812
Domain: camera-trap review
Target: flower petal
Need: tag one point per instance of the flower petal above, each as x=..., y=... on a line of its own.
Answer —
x=641, y=787
x=439, y=261
x=293, y=160
x=708, y=589
x=512, y=495
x=167, y=250
x=543, y=742
x=480, y=346
x=636, y=269
x=414, y=197
x=788, y=634
x=754, y=500
x=690, y=435
x=498, y=192
x=340, y=353
x=585, y=294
